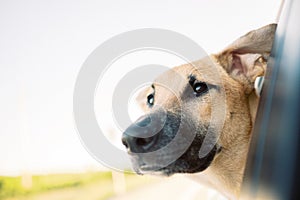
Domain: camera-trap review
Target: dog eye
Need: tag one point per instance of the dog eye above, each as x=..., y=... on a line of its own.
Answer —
x=200, y=88
x=150, y=99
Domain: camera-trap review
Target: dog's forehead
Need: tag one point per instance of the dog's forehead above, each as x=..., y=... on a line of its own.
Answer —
x=204, y=70
x=174, y=79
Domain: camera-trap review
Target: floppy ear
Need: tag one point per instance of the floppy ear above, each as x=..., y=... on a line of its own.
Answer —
x=245, y=59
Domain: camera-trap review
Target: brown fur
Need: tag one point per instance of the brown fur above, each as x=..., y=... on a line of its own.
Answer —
x=238, y=66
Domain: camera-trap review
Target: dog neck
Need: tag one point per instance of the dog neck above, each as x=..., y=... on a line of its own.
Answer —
x=222, y=172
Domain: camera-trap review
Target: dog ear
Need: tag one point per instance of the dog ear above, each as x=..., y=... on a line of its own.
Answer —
x=245, y=59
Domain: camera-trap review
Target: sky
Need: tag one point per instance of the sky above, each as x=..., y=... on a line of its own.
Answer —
x=44, y=43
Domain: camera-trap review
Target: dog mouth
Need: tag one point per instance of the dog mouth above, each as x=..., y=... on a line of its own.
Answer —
x=189, y=162
x=150, y=169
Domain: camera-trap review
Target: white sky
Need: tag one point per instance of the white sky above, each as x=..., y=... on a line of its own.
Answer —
x=44, y=43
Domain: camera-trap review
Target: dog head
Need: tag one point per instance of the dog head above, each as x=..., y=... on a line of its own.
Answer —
x=205, y=106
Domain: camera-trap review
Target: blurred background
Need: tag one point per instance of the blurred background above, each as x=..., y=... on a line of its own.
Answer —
x=42, y=47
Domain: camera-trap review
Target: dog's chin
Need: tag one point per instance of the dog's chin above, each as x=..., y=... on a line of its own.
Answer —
x=187, y=163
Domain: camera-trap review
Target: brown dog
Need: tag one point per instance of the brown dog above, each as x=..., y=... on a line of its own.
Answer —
x=186, y=101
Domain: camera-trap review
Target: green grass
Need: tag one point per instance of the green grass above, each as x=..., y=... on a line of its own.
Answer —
x=98, y=184
x=11, y=186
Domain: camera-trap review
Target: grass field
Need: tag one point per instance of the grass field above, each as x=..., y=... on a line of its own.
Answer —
x=97, y=185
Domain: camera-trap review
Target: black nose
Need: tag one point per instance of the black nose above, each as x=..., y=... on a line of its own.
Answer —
x=142, y=135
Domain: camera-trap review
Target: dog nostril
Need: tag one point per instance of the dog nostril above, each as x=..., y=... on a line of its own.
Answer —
x=124, y=142
x=141, y=141
x=144, y=142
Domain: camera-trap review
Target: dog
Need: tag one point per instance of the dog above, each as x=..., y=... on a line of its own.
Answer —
x=184, y=105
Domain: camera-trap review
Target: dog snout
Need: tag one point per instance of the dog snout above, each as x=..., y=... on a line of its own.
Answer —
x=138, y=145
x=142, y=135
